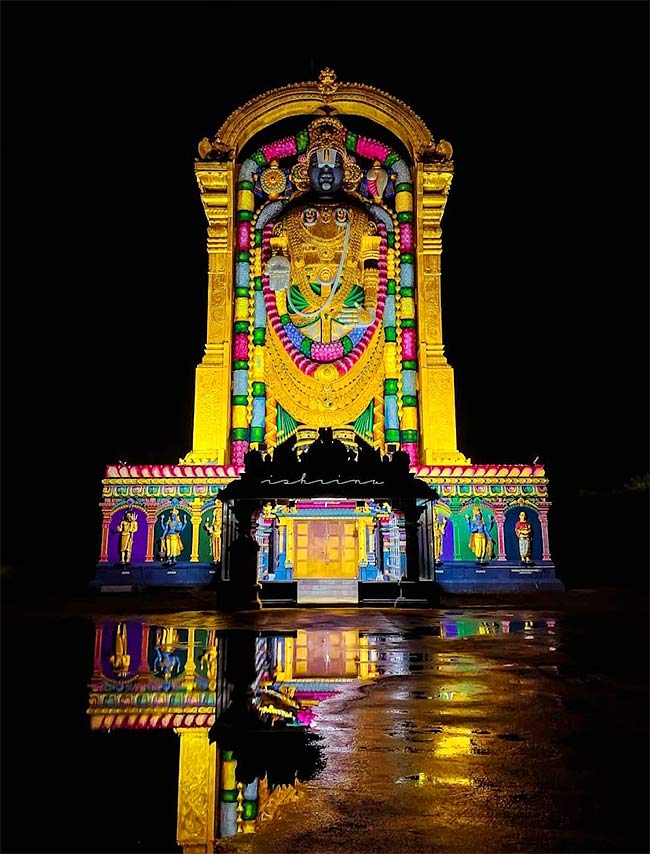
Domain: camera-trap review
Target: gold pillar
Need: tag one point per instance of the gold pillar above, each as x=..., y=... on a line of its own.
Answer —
x=288, y=542
x=197, y=792
x=190, y=665
x=362, y=524
x=213, y=375
x=284, y=669
x=195, y=520
x=437, y=408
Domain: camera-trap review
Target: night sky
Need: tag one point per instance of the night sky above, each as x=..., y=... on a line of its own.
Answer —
x=104, y=282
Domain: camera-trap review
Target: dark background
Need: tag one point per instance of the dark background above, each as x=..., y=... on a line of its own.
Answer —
x=545, y=261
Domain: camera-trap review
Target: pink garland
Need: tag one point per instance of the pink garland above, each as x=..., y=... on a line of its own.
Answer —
x=241, y=345
x=243, y=236
x=238, y=449
x=282, y=148
x=406, y=236
x=408, y=344
x=372, y=149
x=411, y=449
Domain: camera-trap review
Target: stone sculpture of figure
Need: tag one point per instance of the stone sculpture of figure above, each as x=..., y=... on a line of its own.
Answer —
x=524, y=533
x=213, y=528
x=209, y=660
x=326, y=250
x=126, y=529
x=439, y=527
x=171, y=544
x=166, y=662
x=480, y=541
x=121, y=660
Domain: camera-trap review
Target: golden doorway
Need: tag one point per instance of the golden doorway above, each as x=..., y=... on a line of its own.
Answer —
x=326, y=548
x=330, y=654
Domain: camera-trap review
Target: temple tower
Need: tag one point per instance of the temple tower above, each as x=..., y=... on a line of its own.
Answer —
x=399, y=391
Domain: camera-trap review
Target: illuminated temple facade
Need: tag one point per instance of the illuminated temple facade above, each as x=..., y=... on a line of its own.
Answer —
x=324, y=204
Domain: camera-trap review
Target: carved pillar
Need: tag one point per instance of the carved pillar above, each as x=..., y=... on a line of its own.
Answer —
x=458, y=524
x=242, y=590
x=411, y=513
x=143, y=667
x=500, y=518
x=364, y=657
x=197, y=792
x=213, y=375
x=151, y=528
x=289, y=656
x=195, y=519
x=362, y=541
x=97, y=663
x=437, y=408
x=190, y=664
x=543, y=521
x=288, y=543
x=106, y=525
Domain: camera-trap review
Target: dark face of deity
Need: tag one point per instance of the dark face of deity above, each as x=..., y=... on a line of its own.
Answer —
x=326, y=171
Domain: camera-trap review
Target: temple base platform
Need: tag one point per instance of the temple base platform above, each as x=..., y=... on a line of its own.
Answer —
x=497, y=577
x=146, y=575
x=456, y=577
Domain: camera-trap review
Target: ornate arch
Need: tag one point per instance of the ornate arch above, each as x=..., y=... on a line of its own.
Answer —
x=327, y=96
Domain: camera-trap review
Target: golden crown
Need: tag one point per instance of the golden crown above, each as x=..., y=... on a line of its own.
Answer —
x=326, y=132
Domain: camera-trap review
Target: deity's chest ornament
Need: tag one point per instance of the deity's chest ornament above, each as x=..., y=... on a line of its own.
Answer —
x=324, y=276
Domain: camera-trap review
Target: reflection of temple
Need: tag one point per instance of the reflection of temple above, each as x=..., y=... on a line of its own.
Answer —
x=324, y=204
x=242, y=703
x=189, y=679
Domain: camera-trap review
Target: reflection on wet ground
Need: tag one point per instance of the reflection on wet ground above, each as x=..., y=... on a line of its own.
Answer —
x=459, y=730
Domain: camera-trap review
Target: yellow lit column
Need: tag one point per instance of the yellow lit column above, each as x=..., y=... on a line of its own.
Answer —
x=362, y=524
x=213, y=375
x=196, y=526
x=288, y=543
x=437, y=408
x=289, y=657
x=197, y=792
x=364, y=670
x=190, y=665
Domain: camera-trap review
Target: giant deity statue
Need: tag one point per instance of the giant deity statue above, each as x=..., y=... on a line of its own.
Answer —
x=324, y=284
x=325, y=245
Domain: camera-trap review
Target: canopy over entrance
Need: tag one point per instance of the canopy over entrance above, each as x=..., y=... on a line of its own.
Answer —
x=329, y=468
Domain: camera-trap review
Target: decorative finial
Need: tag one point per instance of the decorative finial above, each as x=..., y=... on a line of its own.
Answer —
x=327, y=84
x=440, y=152
x=215, y=150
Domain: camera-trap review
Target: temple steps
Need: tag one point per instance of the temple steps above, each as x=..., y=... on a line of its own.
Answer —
x=328, y=591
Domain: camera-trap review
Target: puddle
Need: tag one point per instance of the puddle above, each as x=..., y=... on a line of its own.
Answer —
x=250, y=701
x=284, y=726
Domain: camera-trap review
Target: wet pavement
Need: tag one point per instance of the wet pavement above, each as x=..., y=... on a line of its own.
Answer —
x=488, y=726
x=529, y=741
